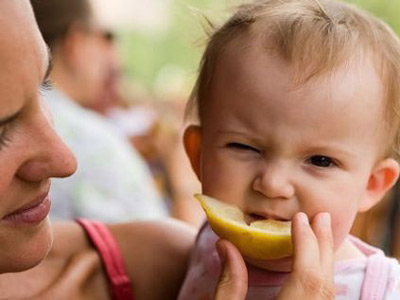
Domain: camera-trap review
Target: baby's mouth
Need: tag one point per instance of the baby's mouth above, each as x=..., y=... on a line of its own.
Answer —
x=252, y=217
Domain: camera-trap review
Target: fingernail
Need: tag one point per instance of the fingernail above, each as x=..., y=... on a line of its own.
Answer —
x=303, y=218
x=326, y=219
x=221, y=251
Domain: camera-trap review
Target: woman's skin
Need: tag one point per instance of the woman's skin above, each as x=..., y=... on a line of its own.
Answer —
x=156, y=254
x=31, y=153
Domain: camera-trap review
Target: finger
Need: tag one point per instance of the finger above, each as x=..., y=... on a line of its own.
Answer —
x=232, y=284
x=305, y=244
x=310, y=279
x=321, y=225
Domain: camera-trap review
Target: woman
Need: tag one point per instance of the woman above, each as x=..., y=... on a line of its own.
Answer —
x=154, y=255
x=31, y=153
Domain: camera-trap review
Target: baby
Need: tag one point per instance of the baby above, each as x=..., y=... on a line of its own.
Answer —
x=297, y=104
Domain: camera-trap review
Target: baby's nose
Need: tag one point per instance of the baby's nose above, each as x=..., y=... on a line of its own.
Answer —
x=274, y=182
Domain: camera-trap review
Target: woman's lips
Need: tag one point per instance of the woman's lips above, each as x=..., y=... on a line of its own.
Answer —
x=33, y=213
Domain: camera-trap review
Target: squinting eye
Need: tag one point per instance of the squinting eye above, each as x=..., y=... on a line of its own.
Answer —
x=244, y=147
x=321, y=161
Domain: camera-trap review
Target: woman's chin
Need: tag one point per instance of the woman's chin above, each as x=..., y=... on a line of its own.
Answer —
x=27, y=249
x=275, y=265
x=40, y=244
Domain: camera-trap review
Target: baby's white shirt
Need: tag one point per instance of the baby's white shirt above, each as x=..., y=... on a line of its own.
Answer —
x=373, y=277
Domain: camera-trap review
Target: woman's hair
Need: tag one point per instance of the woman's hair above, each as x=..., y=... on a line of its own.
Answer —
x=55, y=17
x=315, y=38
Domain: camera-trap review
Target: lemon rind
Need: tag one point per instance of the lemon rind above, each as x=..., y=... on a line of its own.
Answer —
x=265, y=244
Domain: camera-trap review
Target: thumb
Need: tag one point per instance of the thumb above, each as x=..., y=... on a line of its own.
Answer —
x=232, y=284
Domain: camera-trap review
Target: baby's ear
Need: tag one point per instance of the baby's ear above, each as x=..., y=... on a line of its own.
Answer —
x=192, y=143
x=382, y=178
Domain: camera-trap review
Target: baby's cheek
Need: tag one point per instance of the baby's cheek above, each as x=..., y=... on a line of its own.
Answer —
x=341, y=226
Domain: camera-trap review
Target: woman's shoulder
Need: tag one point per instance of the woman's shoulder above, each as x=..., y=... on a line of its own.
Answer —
x=155, y=247
x=139, y=242
x=154, y=242
x=168, y=233
x=146, y=247
x=81, y=263
x=69, y=239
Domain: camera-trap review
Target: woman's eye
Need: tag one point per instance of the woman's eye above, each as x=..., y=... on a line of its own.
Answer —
x=47, y=85
x=239, y=146
x=321, y=161
x=4, y=138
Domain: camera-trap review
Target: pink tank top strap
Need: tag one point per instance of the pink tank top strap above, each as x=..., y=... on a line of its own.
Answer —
x=376, y=278
x=106, y=245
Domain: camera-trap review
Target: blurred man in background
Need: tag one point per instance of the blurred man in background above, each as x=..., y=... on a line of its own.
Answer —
x=113, y=183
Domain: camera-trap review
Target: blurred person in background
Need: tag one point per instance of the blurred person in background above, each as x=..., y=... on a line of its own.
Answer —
x=113, y=182
x=108, y=95
x=154, y=129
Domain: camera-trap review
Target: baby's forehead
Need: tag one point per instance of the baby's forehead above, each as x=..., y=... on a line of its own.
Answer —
x=247, y=54
x=255, y=40
x=255, y=91
x=253, y=77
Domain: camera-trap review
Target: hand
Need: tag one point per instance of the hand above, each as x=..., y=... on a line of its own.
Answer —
x=232, y=283
x=312, y=270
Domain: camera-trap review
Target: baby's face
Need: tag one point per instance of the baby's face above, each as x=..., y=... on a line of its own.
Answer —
x=274, y=150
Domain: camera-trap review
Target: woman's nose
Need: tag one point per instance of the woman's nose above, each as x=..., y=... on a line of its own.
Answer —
x=48, y=155
x=274, y=181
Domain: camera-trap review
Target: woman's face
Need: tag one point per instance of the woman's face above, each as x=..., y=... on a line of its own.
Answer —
x=30, y=151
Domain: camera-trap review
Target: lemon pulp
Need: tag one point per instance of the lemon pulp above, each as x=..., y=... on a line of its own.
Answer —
x=261, y=240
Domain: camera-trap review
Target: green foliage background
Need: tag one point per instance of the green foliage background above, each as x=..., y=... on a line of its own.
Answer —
x=145, y=54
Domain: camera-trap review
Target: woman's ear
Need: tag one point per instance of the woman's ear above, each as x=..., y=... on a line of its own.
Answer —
x=381, y=180
x=192, y=143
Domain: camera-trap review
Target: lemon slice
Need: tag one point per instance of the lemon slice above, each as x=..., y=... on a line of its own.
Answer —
x=261, y=240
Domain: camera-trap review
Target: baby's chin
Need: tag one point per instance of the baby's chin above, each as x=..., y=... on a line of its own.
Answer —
x=275, y=265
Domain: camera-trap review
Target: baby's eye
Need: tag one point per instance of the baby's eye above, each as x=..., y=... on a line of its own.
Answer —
x=321, y=161
x=244, y=147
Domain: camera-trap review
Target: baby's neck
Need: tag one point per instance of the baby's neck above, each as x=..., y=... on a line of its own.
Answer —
x=348, y=251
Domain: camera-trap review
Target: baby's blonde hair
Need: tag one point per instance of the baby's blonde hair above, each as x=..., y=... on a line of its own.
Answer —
x=315, y=37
